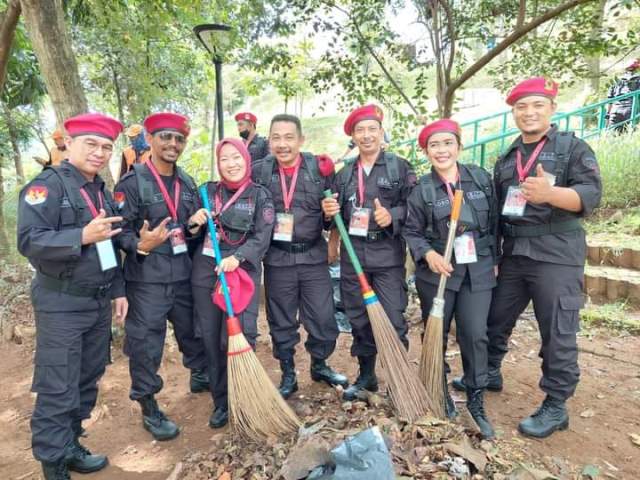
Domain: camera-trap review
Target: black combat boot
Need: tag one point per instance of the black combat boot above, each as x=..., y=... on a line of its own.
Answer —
x=155, y=421
x=56, y=470
x=475, y=405
x=321, y=372
x=79, y=458
x=199, y=381
x=551, y=416
x=366, y=380
x=219, y=417
x=289, y=383
x=494, y=381
x=449, y=405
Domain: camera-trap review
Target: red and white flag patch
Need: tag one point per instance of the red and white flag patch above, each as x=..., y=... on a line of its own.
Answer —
x=119, y=197
x=36, y=194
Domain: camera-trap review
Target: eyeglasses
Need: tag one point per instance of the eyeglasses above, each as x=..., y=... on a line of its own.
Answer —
x=168, y=136
x=92, y=147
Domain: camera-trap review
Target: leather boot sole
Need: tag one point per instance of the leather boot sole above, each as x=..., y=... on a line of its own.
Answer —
x=160, y=438
x=97, y=468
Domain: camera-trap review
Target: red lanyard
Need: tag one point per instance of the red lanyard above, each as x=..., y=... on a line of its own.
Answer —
x=172, y=206
x=89, y=202
x=287, y=195
x=448, y=185
x=523, y=172
x=361, y=184
x=218, y=198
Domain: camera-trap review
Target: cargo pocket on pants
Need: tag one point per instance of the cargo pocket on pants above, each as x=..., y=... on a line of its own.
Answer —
x=568, y=315
x=51, y=372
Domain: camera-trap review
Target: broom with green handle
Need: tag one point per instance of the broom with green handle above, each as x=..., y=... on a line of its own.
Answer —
x=257, y=408
x=408, y=394
x=432, y=357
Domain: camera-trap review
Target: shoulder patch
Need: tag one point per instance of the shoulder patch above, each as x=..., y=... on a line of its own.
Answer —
x=119, y=198
x=268, y=215
x=36, y=194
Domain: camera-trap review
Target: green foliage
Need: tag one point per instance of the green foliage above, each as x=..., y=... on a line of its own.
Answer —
x=618, y=157
x=614, y=316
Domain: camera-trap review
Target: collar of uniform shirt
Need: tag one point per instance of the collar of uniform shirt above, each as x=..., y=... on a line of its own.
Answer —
x=380, y=160
x=551, y=134
x=463, y=176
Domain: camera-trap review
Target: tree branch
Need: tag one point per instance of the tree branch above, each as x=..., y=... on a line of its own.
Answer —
x=522, y=11
x=510, y=39
x=452, y=38
x=8, y=23
x=386, y=72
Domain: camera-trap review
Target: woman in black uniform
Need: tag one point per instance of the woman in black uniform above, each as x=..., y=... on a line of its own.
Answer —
x=243, y=213
x=471, y=274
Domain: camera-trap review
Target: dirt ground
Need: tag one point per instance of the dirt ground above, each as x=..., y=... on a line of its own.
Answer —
x=604, y=412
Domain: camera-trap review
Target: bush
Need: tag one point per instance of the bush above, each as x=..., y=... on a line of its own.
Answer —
x=619, y=160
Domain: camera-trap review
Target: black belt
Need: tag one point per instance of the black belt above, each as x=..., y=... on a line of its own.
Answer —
x=291, y=247
x=481, y=243
x=372, y=236
x=65, y=286
x=510, y=230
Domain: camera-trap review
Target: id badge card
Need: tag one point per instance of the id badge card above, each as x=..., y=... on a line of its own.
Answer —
x=515, y=203
x=178, y=242
x=207, y=246
x=106, y=255
x=464, y=247
x=359, y=223
x=551, y=178
x=283, y=229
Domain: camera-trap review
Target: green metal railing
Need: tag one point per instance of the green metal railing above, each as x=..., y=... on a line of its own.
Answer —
x=486, y=145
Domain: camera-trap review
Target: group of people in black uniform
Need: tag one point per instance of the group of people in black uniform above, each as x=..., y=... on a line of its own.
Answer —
x=146, y=249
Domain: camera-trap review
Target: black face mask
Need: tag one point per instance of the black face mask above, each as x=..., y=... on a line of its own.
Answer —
x=244, y=134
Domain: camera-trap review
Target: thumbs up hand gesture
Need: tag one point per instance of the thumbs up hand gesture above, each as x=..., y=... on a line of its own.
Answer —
x=537, y=189
x=381, y=215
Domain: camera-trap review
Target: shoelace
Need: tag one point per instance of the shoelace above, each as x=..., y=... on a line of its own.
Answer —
x=62, y=472
x=84, y=451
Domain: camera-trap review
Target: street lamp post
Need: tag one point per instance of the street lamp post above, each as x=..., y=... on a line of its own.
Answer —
x=215, y=38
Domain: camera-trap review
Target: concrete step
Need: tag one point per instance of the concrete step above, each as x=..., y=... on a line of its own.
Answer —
x=606, y=283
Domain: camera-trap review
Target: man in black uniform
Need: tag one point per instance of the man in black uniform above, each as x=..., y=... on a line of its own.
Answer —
x=545, y=183
x=258, y=146
x=296, y=277
x=620, y=111
x=65, y=220
x=156, y=201
x=372, y=197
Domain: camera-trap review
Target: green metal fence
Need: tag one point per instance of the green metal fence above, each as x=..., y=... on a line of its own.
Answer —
x=487, y=137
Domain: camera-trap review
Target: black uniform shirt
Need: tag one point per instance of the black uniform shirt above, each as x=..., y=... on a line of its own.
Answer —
x=583, y=176
x=258, y=148
x=160, y=266
x=390, y=250
x=247, y=224
x=483, y=208
x=50, y=236
x=308, y=219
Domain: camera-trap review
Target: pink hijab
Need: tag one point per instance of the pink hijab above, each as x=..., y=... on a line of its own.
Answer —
x=240, y=146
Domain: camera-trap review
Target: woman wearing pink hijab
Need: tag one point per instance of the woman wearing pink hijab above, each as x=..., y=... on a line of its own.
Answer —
x=243, y=213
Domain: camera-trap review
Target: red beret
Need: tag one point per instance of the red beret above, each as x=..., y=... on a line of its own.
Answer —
x=533, y=86
x=325, y=164
x=241, y=290
x=93, y=124
x=634, y=65
x=368, y=112
x=439, y=126
x=167, y=121
x=248, y=116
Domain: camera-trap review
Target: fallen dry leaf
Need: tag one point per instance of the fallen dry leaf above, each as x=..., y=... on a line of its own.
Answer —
x=465, y=450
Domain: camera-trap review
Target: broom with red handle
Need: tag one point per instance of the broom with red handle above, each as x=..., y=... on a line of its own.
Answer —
x=432, y=357
x=408, y=394
x=257, y=408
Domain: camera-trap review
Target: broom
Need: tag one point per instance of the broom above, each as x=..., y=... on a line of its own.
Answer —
x=408, y=394
x=257, y=408
x=432, y=357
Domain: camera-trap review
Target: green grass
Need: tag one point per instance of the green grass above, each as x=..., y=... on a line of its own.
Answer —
x=613, y=316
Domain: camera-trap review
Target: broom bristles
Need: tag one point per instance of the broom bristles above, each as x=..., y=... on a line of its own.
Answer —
x=407, y=393
x=257, y=408
x=432, y=363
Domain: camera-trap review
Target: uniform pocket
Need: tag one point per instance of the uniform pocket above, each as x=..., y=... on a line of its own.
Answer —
x=51, y=373
x=568, y=315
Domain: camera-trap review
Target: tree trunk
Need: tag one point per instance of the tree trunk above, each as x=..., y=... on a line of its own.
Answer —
x=593, y=62
x=51, y=42
x=13, y=139
x=4, y=241
x=8, y=23
x=118, y=91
